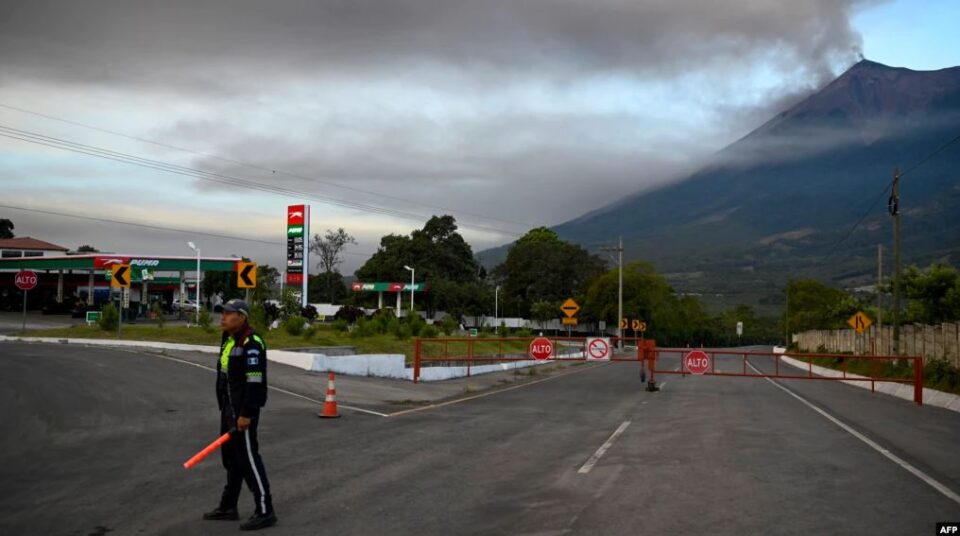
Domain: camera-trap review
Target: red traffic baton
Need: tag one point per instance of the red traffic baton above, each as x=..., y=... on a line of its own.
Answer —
x=198, y=457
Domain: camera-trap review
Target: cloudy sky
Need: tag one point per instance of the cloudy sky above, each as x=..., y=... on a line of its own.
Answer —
x=211, y=116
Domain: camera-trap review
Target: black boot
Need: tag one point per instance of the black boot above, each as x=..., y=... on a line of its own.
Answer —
x=259, y=521
x=222, y=514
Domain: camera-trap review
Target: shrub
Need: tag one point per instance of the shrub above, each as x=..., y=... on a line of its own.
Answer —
x=158, y=315
x=294, y=325
x=258, y=318
x=205, y=320
x=416, y=323
x=429, y=332
x=109, y=318
x=402, y=332
x=309, y=312
x=349, y=314
x=309, y=332
x=340, y=326
x=449, y=324
x=524, y=332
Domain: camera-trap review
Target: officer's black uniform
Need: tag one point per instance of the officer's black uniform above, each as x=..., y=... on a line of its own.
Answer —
x=241, y=392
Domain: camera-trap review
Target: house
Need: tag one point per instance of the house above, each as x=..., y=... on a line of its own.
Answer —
x=29, y=247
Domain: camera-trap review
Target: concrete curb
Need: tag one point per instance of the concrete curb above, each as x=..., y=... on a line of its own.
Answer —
x=931, y=397
x=375, y=365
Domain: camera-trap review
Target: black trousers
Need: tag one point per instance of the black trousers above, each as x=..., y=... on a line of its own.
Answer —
x=241, y=459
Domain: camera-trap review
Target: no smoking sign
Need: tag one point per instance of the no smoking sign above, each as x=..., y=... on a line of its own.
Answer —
x=598, y=349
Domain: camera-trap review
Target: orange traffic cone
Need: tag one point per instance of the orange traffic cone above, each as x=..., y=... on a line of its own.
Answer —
x=330, y=403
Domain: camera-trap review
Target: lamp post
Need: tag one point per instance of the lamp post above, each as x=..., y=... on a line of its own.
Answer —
x=413, y=274
x=197, y=249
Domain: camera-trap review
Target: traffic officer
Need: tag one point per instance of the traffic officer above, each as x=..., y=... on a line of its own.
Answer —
x=241, y=392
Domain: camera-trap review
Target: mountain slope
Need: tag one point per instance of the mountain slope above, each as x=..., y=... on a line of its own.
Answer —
x=778, y=202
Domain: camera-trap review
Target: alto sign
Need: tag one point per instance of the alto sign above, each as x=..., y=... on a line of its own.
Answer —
x=26, y=280
x=696, y=362
x=541, y=348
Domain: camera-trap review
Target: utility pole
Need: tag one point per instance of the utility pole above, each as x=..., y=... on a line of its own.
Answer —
x=619, y=250
x=893, y=205
x=878, y=349
x=786, y=318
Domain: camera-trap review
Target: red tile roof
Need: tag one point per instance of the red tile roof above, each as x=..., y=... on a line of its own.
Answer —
x=26, y=242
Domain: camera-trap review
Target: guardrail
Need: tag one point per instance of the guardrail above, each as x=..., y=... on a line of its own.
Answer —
x=736, y=363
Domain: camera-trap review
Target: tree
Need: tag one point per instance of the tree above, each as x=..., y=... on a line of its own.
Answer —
x=441, y=257
x=87, y=249
x=813, y=305
x=934, y=294
x=268, y=278
x=327, y=287
x=541, y=267
x=6, y=228
x=329, y=248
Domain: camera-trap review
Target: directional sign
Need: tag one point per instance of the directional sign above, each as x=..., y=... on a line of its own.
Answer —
x=26, y=280
x=638, y=325
x=569, y=321
x=860, y=322
x=120, y=276
x=541, y=348
x=246, y=274
x=696, y=362
x=126, y=297
x=624, y=323
x=739, y=329
x=570, y=308
x=598, y=349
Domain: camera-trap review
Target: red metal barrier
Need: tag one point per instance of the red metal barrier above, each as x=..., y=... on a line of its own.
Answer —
x=470, y=351
x=735, y=363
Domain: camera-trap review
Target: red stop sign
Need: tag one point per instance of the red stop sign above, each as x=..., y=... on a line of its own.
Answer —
x=696, y=362
x=26, y=280
x=541, y=348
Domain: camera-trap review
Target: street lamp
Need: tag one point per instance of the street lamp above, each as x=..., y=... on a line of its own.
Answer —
x=413, y=274
x=195, y=248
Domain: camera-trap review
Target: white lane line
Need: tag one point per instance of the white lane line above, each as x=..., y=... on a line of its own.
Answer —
x=662, y=385
x=944, y=490
x=272, y=388
x=603, y=449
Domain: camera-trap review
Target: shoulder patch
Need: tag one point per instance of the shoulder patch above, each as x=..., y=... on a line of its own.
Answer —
x=253, y=360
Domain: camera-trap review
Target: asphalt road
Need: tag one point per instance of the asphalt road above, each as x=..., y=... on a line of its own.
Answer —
x=95, y=439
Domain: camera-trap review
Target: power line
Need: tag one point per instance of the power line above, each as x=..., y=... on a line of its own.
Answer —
x=59, y=143
x=259, y=167
x=158, y=227
x=883, y=192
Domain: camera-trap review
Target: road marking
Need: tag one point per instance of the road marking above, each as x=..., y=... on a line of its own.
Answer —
x=944, y=490
x=603, y=449
x=662, y=385
x=272, y=388
x=494, y=392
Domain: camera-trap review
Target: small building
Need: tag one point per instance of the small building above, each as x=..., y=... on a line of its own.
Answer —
x=14, y=248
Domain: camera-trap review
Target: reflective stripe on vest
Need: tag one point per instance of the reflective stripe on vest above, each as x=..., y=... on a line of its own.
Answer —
x=225, y=355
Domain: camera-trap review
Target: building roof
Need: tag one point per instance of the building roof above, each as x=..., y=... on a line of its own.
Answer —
x=25, y=242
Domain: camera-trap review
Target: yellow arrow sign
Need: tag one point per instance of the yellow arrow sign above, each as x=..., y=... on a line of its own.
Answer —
x=860, y=322
x=570, y=308
x=624, y=323
x=246, y=274
x=121, y=276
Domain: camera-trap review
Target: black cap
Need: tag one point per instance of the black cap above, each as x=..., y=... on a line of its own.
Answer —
x=236, y=306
